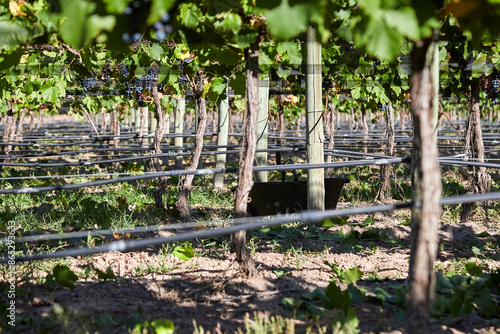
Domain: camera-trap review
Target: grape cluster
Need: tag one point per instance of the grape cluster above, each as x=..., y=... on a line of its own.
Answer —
x=107, y=71
x=128, y=89
x=381, y=107
x=182, y=77
x=138, y=84
x=87, y=83
x=163, y=27
x=327, y=84
x=495, y=83
x=124, y=71
x=492, y=89
x=150, y=76
x=140, y=100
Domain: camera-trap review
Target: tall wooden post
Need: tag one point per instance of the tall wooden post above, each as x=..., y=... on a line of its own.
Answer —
x=314, y=124
x=262, y=129
x=222, y=135
x=137, y=122
x=180, y=111
x=153, y=123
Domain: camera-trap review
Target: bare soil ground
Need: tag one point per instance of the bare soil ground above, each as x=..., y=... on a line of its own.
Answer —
x=208, y=291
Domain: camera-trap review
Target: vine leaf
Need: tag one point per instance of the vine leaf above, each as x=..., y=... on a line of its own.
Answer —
x=80, y=27
x=156, y=51
x=190, y=14
x=286, y=21
x=50, y=93
x=183, y=252
x=65, y=276
x=13, y=34
x=108, y=275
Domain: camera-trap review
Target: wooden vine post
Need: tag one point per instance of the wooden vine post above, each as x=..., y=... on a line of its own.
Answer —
x=426, y=185
x=384, y=190
x=222, y=135
x=314, y=124
x=182, y=203
x=153, y=122
x=137, y=122
x=262, y=129
x=247, y=155
x=180, y=111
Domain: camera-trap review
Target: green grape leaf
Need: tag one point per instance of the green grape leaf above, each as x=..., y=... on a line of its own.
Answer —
x=473, y=269
x=190, y=15
x=65, y=276
x=10, y=59
x=230, y=22
x=96, y=24
x=183, y=252
x=80, y=25
x=265, y=62
x=351, y=275
x=50, y=283
x=480, y=66
x=381, y=39
x=286, y=21
x=13, y=34
x=356, y=92
x=238, y=84
x=116, y=6
x=50, y=93
x=405, y=21
x=162, y=326
x=245, y=38
x=156, y=51
x=217, y=89
x=356, y=294
x=292, y=52
x=108, y=275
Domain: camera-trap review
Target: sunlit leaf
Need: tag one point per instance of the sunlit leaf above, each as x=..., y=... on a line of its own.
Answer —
x=183, y=252
x=190, y=14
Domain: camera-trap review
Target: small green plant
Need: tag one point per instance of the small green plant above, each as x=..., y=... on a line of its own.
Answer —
x=64, y=276
x=262, y=323
x=183, y=251
x=333, y=304
x=279, y=273
x=156, y=326
x=108, y=275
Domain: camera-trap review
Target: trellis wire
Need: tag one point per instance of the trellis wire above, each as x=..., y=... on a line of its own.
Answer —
x=306, y=217
x=201, y=172
x=354, y=163
x=139, y=229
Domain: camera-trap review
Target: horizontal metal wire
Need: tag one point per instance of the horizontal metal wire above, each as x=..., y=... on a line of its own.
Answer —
x=200, y=172
x=306, y=217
